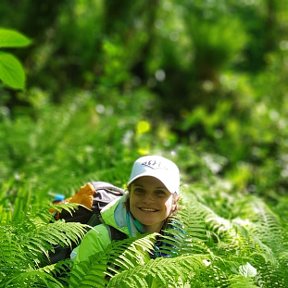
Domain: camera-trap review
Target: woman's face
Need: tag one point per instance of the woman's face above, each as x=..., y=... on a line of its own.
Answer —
x=150, y=202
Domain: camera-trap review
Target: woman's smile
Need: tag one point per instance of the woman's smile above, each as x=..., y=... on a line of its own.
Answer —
x=148, y=209
x=150, y=202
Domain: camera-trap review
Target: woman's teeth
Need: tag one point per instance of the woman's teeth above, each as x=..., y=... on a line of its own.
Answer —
x=148, y=209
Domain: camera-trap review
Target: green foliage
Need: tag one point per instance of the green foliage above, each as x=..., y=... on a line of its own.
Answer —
x=208, y=251
x=203, y=82
x=11, y=71
x=77, y=133
x=26, y=237
x=227, y=238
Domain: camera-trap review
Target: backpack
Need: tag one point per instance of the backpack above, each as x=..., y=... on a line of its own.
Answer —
x=93, y=197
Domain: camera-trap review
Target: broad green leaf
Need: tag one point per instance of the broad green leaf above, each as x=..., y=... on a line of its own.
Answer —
x=12, y=38
x=11, y=71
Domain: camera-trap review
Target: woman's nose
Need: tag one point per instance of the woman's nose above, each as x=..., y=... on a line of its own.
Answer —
x=148, y=197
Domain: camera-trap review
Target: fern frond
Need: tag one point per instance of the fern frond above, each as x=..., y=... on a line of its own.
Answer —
x=26, y=242
x=186, y=233
x=42, y=240
x=267, y=227
x=161, y=272
x=130, y=253
x=119, y=255
x=192, y=219
x=58, y=268
x=32, y=279
x=239, y=281
x=11, y=252
x=17, y=268
x=90, y=273
x=68, y=207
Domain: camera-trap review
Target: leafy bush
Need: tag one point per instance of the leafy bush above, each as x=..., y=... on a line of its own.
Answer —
x=11, y=71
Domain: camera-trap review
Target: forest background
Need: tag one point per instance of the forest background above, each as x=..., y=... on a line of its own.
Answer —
x=202, y=82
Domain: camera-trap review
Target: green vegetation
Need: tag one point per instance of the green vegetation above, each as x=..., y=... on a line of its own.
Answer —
x=201, y=82
x=11, y=70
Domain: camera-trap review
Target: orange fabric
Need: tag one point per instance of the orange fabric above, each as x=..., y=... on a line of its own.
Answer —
x=84, y=196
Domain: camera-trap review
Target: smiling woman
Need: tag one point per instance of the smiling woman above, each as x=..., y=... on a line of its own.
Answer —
x=151, y=203
x=152, y=196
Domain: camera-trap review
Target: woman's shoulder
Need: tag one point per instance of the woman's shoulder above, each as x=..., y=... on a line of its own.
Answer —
x=98, y=233
x=95, y=240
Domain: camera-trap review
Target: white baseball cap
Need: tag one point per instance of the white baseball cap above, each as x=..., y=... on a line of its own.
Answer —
x=158, y=167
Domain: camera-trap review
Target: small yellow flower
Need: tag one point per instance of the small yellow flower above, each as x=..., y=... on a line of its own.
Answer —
x=143, y=127
x=144, y=150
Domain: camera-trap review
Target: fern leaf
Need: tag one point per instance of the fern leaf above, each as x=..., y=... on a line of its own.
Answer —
x=241, y=281
x=164, y=271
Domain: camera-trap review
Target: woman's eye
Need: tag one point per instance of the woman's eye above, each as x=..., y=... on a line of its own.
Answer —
x=138, y=190
x=160, y=193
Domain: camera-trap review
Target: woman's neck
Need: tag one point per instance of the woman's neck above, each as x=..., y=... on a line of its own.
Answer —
x=153, y=228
